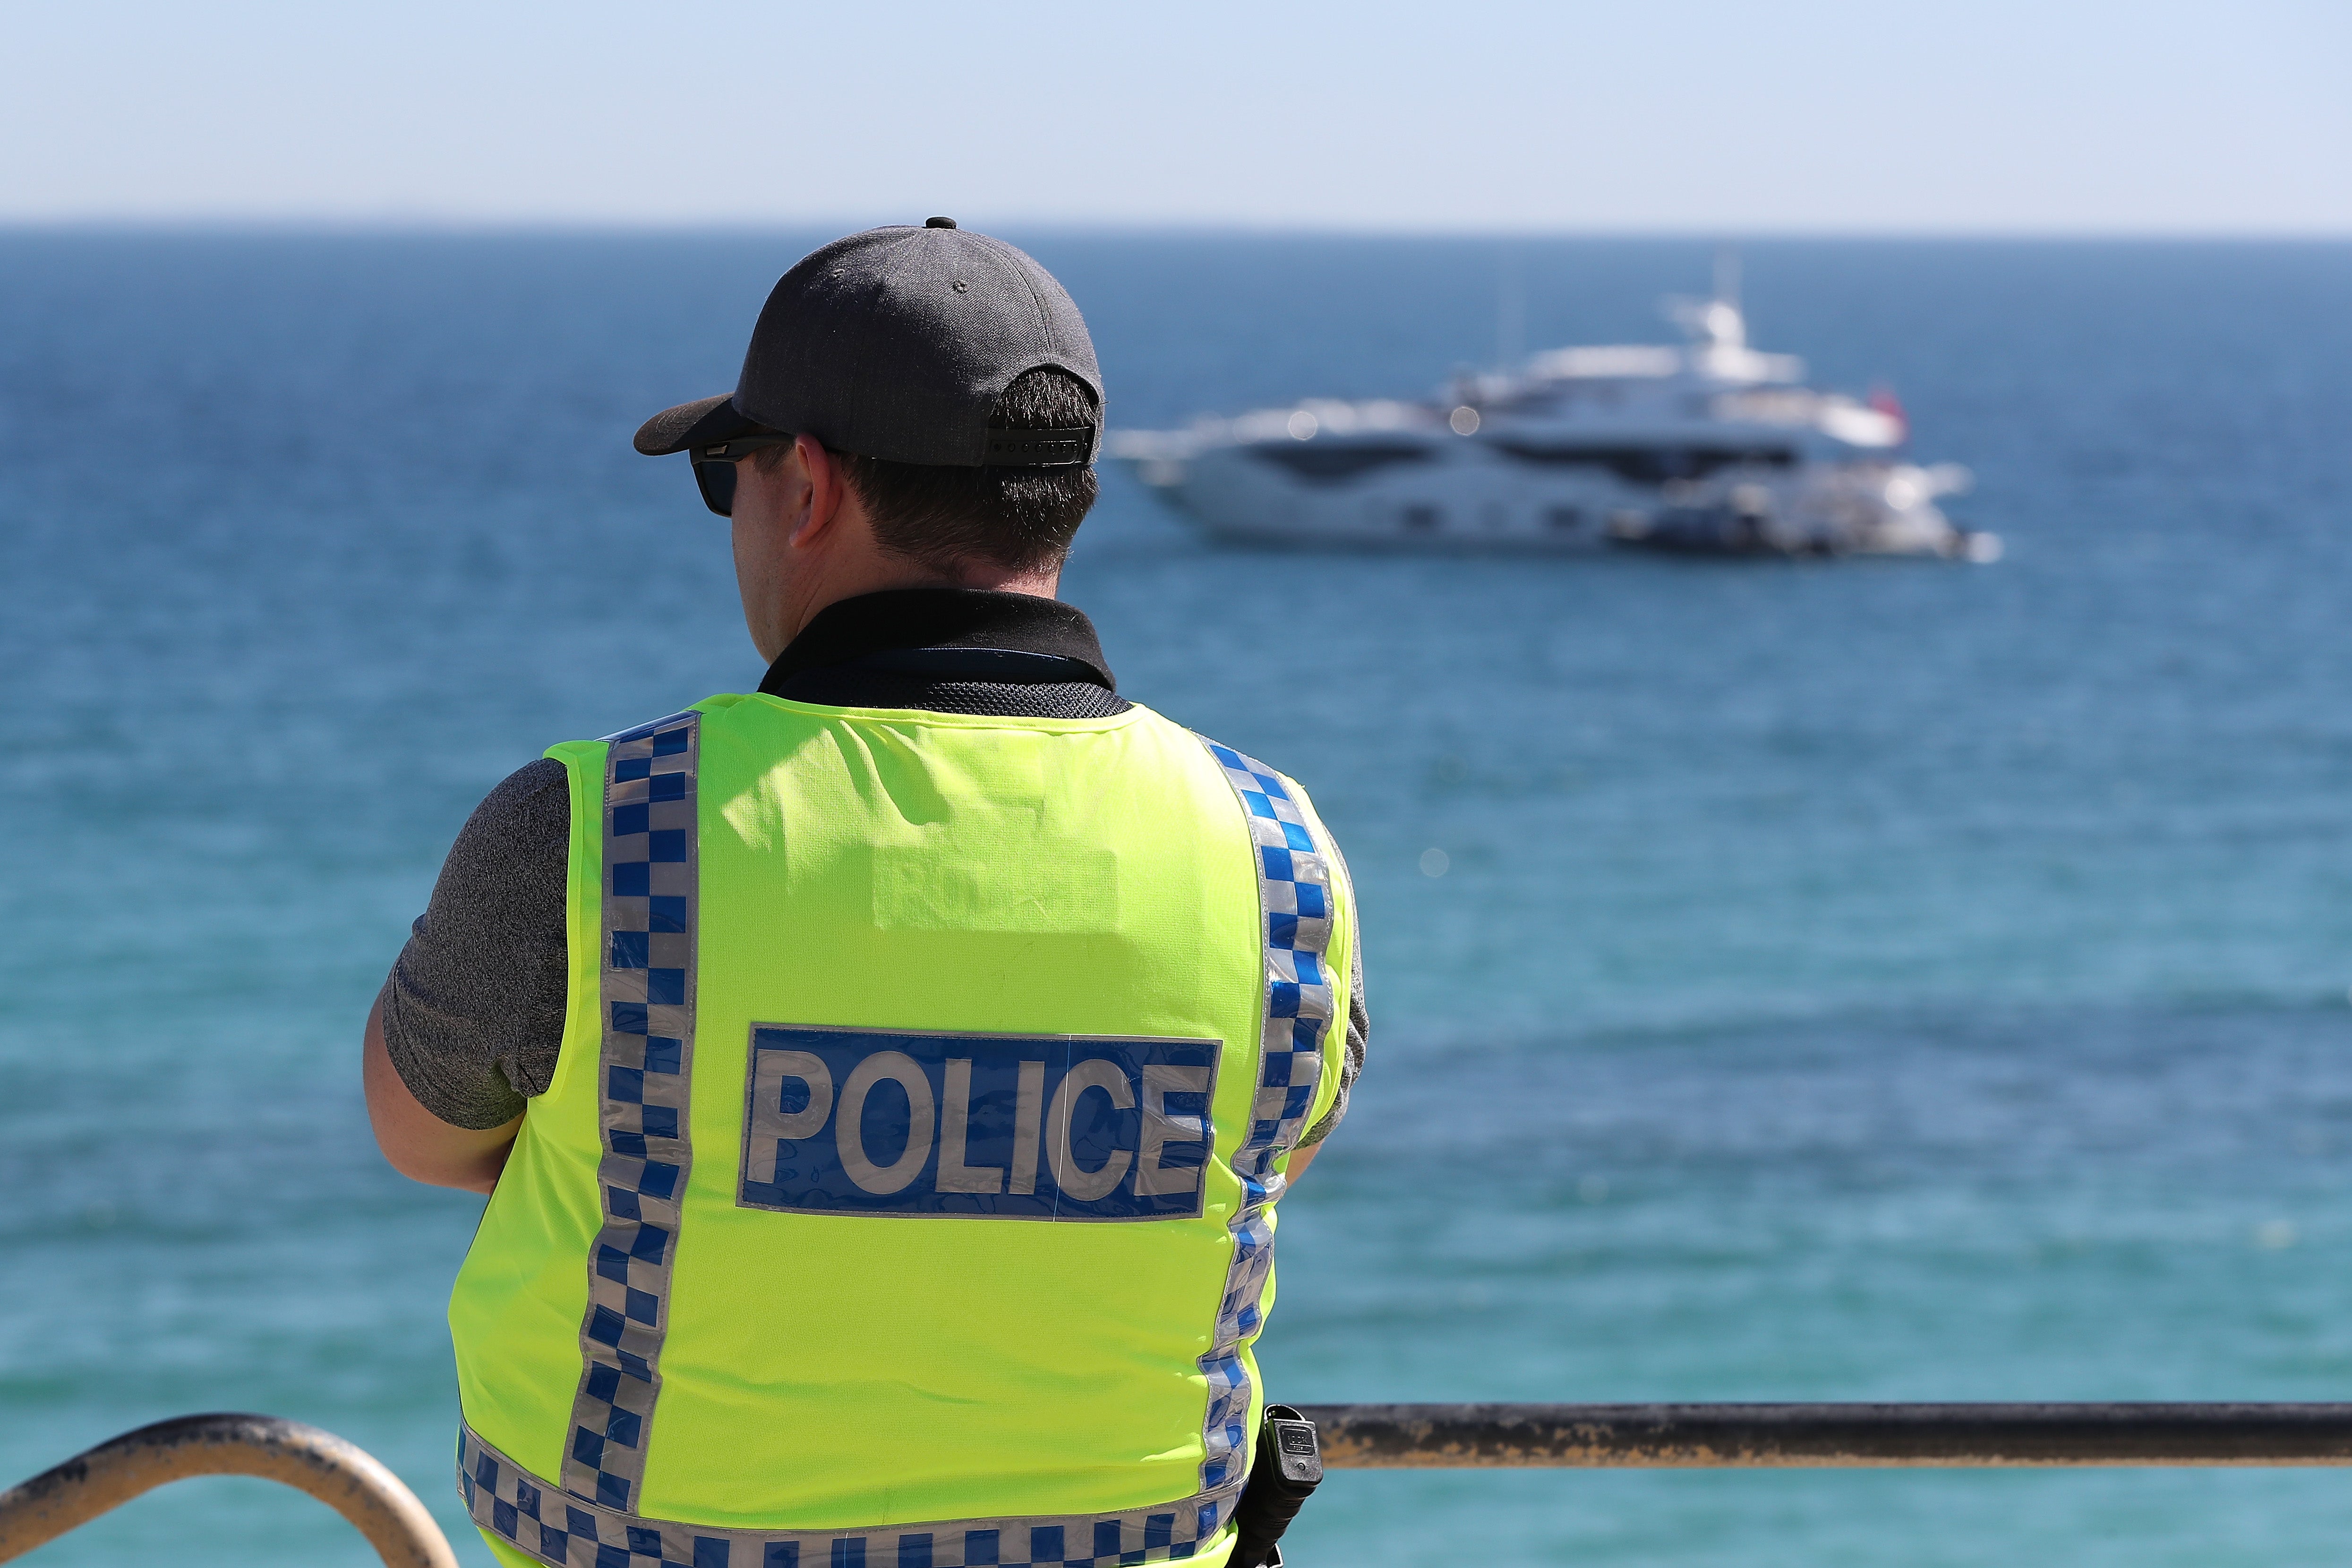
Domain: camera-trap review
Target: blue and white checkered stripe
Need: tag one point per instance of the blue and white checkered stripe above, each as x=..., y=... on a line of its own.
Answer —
x=518, y=1507
x=646, y=1065
x=1294, y=898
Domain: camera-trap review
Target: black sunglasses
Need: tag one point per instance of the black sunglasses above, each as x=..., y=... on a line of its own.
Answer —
x=714, y=467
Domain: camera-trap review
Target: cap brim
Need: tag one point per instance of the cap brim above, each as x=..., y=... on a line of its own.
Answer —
x=705, y=422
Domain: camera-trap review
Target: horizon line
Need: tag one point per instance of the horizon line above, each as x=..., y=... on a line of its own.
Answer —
x=390, y=226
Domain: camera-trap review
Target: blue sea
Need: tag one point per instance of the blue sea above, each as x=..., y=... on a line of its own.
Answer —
x=1847, y=980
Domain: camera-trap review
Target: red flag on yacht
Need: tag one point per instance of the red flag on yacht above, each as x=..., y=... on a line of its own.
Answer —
x=1883, y=399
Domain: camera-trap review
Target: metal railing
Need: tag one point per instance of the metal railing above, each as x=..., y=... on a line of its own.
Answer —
x=1425, y=1436
x=347, y=1478
x=1422, y=1436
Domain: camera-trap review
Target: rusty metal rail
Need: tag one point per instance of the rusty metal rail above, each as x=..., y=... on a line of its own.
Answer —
x=346, y=1478
x=1429, y=1437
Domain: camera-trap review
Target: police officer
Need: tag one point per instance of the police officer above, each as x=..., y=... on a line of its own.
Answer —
x=883, y=1081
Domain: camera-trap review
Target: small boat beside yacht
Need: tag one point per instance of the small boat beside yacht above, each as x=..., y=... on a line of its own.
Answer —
x=1706, y=446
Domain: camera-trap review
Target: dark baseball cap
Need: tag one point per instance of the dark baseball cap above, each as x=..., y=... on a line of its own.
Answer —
x=896, y=343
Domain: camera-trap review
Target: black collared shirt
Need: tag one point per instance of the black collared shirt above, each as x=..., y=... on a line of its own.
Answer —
x=473, y=1011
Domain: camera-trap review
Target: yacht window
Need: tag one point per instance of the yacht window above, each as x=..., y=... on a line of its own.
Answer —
x=1710, y=458
x=1648, y=464
x=1565, y=518
x=1423, y=517
x=1333, y=462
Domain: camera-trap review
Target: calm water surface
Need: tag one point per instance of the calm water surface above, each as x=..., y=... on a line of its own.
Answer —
x=1849, y=981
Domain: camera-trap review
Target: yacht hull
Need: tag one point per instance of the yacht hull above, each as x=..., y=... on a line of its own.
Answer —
x=1459, y=497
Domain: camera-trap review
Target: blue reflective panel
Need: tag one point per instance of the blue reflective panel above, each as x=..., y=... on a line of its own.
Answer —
x=986, y=1126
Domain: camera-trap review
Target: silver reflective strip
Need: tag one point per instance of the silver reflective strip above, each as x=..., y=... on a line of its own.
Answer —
x=645, y=1066
x=520, y=1508
x=1294, y=903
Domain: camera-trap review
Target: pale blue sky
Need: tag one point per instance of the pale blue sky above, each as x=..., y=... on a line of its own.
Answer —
x=1808, y=115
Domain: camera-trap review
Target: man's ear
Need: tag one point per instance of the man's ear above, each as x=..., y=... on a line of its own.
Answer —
x=826, y=482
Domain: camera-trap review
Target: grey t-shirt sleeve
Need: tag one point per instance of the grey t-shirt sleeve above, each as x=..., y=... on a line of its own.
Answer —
x=473, y=1011
x=1360, y=1029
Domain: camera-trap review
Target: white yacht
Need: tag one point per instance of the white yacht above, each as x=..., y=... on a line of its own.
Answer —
x=1706, y=446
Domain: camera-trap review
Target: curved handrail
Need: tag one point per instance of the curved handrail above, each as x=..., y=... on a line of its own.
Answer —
x=347, y=1478
x=1428, y=1437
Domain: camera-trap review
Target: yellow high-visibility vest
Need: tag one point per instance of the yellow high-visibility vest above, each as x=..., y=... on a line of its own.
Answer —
x=904, y=1194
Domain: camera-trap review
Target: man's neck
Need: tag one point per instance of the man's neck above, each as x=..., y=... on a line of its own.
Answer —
x=886, y=574
x=963, y=621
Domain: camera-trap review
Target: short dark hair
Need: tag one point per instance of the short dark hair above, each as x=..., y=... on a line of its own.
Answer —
x=1020, y=519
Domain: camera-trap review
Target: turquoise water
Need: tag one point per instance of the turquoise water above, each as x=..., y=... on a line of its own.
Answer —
x=1849, y=981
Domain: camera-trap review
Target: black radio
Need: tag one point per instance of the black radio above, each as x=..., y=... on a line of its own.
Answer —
x=1284, y=1473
